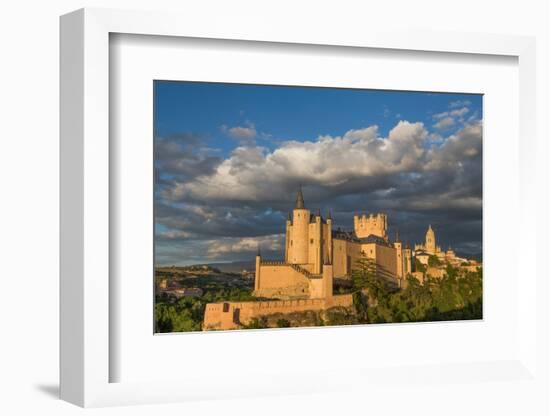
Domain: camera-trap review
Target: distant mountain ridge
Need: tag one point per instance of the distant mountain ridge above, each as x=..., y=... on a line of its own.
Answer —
x=250, y=265
x=235, y=266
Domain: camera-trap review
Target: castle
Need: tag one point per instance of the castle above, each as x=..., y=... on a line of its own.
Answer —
x=315, y=255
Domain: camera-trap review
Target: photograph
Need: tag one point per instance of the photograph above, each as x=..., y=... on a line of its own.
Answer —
x=282, y=206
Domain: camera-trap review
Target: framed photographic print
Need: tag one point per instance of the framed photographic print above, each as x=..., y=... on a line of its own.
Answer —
x=287, y=206
x=297, y=211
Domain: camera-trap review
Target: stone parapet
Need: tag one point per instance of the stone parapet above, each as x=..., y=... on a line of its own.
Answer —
x=235, y=315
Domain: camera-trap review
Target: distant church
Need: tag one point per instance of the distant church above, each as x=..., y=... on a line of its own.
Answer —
x=315, y=255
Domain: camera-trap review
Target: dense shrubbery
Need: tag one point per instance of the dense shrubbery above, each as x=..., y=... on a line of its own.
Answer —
x=454, y=297
x=258, y=323
x=433, y=261
x=283, y=323
x=419, y=267
x=340, y=316
x=187, y=313
x=184, y=315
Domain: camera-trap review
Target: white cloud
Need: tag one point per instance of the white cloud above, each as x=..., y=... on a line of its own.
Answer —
x=440, y=115
x=244, y=134
x=254, y=173
x=457, y=148
x=221, y=247
x=176, y=234
x=444, y=123
x=459, y=112
x=459, y=103
x=447, y=119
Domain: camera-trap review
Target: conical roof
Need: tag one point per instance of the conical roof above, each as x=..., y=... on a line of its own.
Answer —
x=299, y=199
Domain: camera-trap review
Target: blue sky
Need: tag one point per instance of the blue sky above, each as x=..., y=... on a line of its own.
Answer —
x=292, y=113
x=230, y=156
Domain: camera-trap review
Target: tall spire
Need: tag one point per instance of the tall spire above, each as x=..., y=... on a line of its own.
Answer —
x=329, y=216
x=299, y=199
x=397, y=235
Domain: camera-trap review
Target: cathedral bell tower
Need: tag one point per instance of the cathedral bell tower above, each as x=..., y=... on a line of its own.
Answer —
x=430, y=240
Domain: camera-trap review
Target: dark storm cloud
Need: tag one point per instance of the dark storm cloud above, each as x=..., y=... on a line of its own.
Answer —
x=208, y=221
x=182, y=157
x=210, y=208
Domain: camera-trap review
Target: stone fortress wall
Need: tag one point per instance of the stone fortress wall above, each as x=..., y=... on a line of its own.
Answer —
x=235, y=315
x=281, y=280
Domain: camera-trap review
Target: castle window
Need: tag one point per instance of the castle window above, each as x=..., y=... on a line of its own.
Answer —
x=311, y=241
x=291, y=242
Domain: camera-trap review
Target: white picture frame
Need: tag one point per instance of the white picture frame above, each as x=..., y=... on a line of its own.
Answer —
x=85, y=352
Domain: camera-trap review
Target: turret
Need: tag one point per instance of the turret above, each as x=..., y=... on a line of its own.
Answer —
x=399, y=256
x=288, y=236
x=298, y=248
x=329, y=236
x=328, y=278
x=316, y=243
x=258, y=264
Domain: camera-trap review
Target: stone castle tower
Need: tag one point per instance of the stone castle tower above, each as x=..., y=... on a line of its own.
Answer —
x=373, y=224
x=308, y=237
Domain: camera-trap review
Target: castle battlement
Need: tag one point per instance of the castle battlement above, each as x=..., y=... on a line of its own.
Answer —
x=234, y=315
x=371, y=224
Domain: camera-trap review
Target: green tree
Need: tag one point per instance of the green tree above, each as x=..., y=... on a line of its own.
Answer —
x=360, y=303
x=283, y=323
x=456, y=296
x=340, y=316
x=257, y=323
x=419, y=266
x=364, y=273
x=433, y=261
